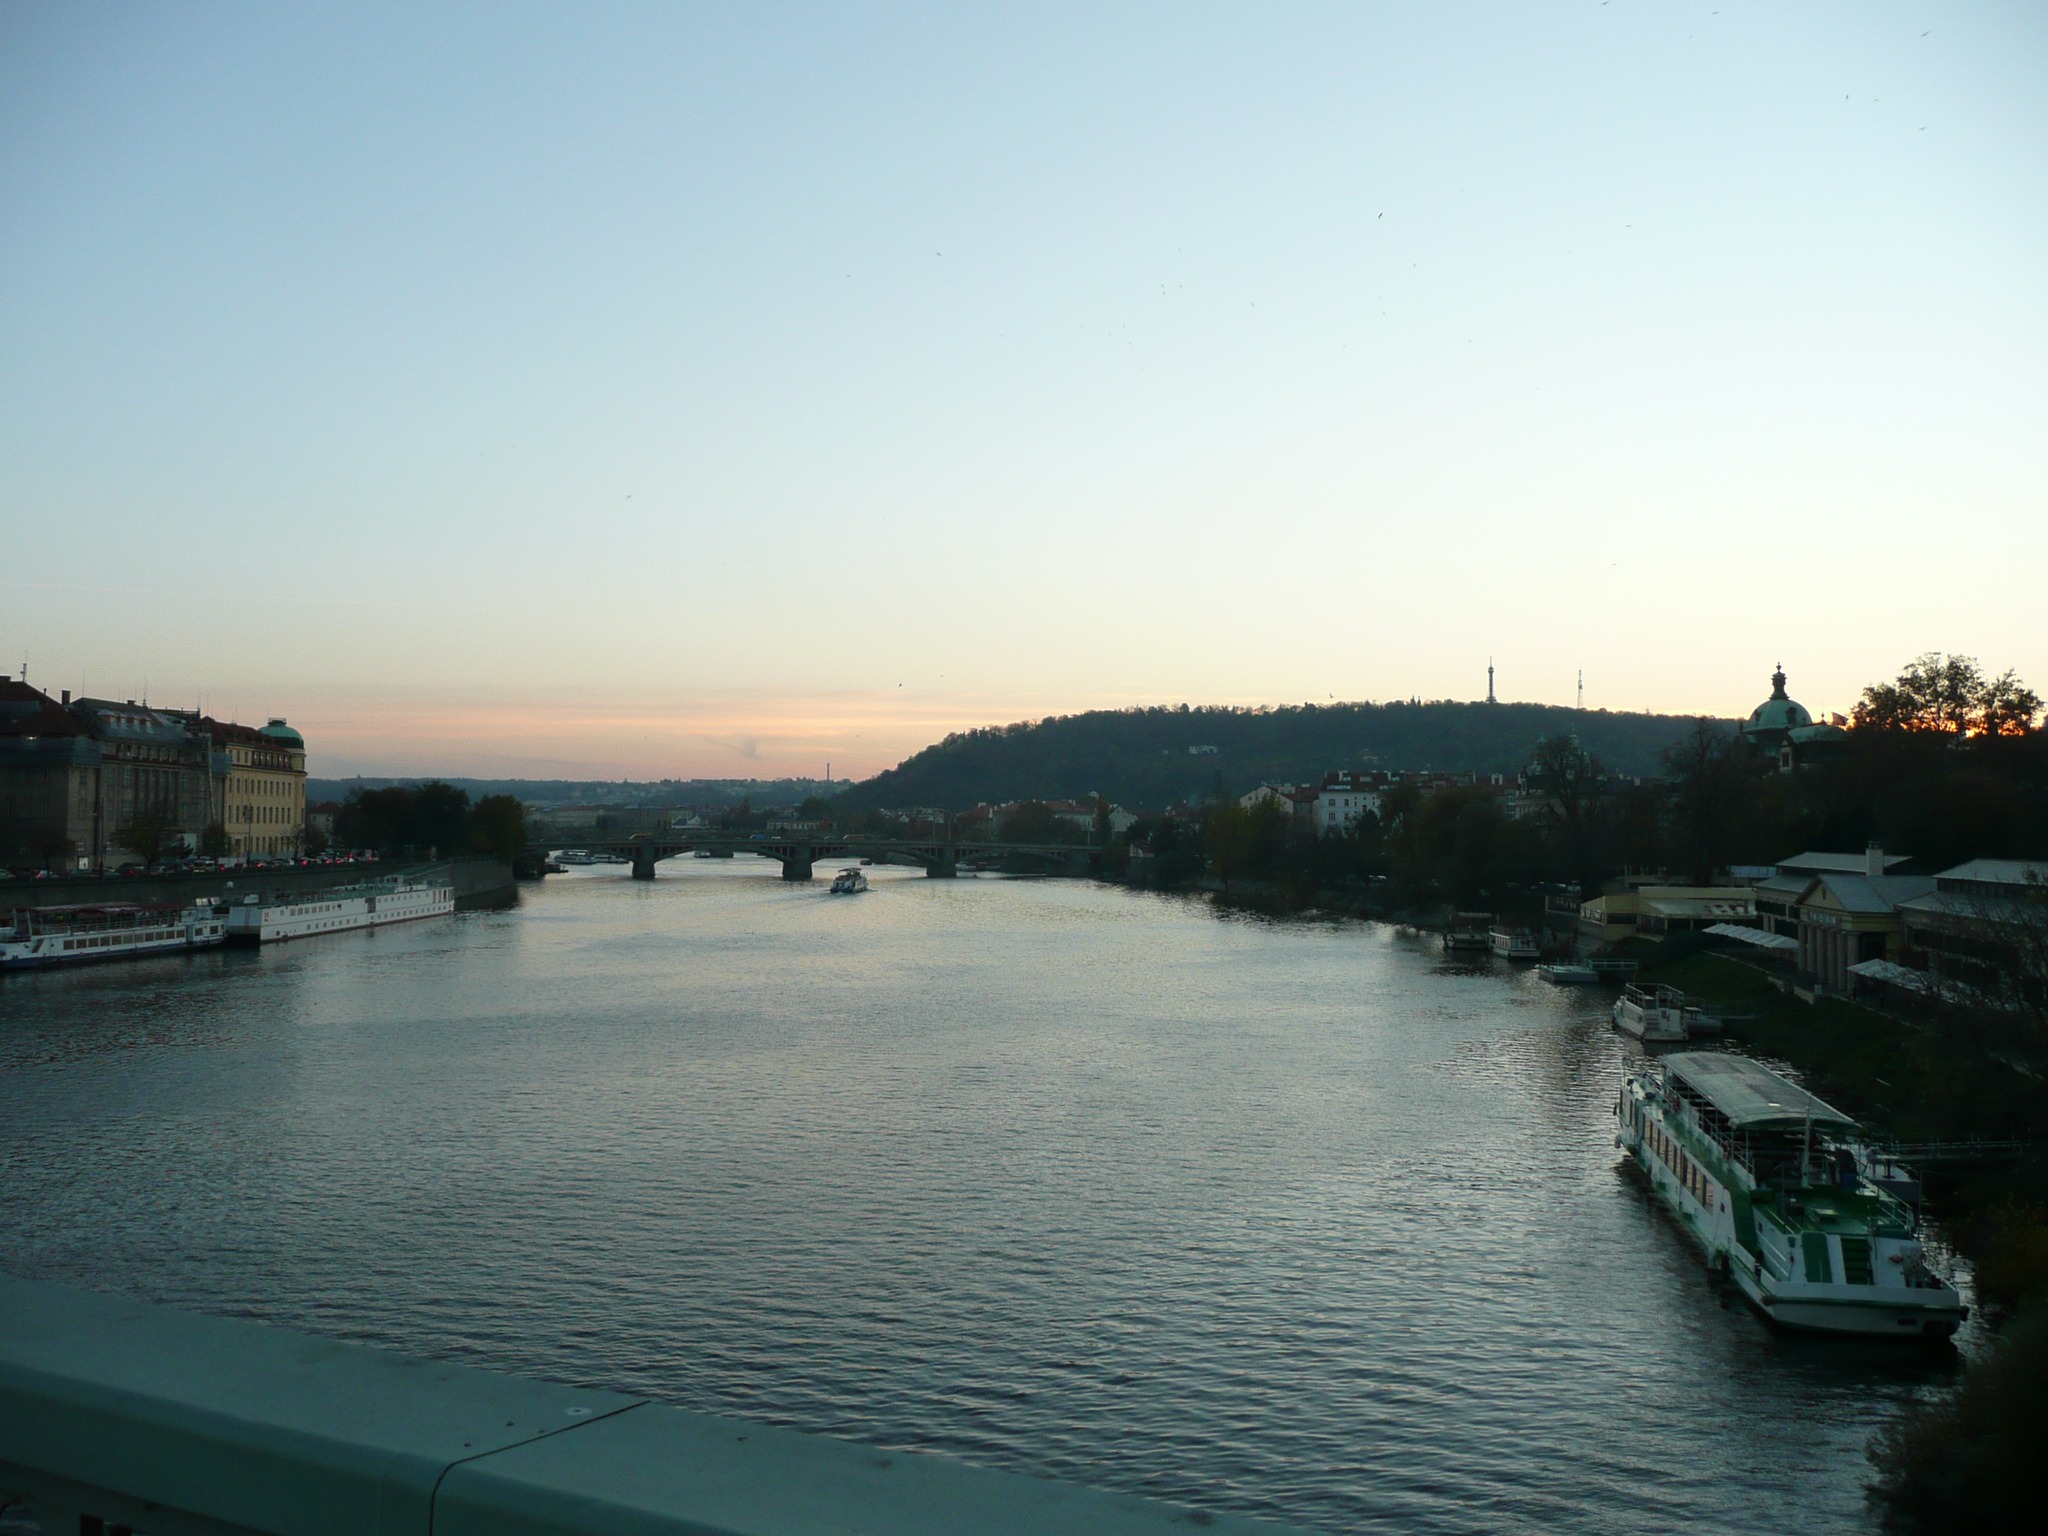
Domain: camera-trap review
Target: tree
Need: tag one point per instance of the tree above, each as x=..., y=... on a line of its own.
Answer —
x=1568, y=776
x=432, y=815
x=213, y=842
x=147, y=833
x=1949, y=696
x=441, y=817
x=1706, y=778
x=1031, y=822
x=51, y=847
x=743, y=817
x=1970, y=1462
x=497, y=826
x=2007, y=707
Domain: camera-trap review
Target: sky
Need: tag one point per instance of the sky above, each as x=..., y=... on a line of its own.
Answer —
x=724, y=391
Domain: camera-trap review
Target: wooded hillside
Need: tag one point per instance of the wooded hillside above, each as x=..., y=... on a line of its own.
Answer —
x=1147, y=758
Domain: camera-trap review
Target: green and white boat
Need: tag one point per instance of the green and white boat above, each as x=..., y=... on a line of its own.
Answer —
x=1765, y=1178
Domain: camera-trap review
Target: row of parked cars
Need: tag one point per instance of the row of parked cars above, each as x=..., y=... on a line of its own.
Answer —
x=198, y=865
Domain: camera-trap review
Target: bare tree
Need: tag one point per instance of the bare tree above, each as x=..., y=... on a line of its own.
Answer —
x=148, y=834
x=1706, y=782
x=1568, y=776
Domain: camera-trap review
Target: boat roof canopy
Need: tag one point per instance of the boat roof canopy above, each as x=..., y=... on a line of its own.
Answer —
x=1750, y=1094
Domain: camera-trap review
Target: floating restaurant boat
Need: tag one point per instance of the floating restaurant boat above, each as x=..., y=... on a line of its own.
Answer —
x=38, y=936
x=1660, y=1015
x=849, y=882
x=1764, y=1177
x=1513, y=943
x=340, y=909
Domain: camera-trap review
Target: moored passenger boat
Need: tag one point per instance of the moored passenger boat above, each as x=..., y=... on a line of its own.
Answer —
x=1467, y=932
x=1661, y=1015
x=1763, y=1176
x=339, y=909
x=34, y=937
x=1513, y=943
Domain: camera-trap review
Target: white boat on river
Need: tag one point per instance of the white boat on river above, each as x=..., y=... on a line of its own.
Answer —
x=340, y=909
x=1763, y=1176
x=34, y=937
x=1661, y=1015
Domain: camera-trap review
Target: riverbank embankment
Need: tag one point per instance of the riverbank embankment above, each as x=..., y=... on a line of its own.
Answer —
x=480, y=884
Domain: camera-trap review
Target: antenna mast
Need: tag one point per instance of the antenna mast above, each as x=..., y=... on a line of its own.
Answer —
x=1582, y=687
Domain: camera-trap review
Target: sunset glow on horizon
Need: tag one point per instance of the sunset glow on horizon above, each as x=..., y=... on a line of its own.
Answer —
x=687, y=392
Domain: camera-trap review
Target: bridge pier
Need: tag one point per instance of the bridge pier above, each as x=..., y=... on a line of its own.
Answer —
x=643, y=863
x=945, y=867
x=796, y=864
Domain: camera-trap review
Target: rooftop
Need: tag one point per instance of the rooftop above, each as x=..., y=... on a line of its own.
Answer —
x=1750, y=1094
x=2013, y=872
x=1843, y=863
x=1882, y=893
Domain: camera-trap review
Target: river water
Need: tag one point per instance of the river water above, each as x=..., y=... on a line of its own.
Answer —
x=1286, y=1219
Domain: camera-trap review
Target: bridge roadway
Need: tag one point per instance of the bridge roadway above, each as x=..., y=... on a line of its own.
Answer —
x=799, y=852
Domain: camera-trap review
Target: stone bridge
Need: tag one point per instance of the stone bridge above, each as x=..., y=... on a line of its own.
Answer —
x=798, y=852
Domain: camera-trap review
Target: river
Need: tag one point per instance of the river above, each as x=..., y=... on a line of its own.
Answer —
x=1286, y=1219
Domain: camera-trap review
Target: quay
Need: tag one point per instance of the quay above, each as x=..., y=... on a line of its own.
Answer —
x=479, y=882
x=117, y=1415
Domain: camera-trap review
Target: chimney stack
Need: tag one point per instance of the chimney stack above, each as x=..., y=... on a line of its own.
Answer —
x=1873, y=860
x=67, y=698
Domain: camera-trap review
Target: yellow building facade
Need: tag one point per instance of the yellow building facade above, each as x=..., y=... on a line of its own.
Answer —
x=260, y=794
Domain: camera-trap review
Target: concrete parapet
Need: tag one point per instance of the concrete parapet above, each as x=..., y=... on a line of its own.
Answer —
x=118, y=1412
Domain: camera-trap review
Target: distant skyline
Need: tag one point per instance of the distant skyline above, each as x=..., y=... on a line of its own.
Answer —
x=709, y=392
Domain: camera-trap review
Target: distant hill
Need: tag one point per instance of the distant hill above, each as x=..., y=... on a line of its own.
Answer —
x=771, y=794
x=1148, y=758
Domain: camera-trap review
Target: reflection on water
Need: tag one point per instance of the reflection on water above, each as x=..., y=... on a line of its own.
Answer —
x=1279, y=1218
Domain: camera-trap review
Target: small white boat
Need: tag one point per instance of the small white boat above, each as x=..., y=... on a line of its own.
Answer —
x=1513, y=943
x=575, y=858
x=849, y=882
x=1568, y=973
x=38, y=936
x=1661, y=1015
x=1466, y=932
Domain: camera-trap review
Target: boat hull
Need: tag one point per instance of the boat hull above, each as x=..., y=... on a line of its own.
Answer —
x=31, y=950
x=1876, y=1319
x=19, y=957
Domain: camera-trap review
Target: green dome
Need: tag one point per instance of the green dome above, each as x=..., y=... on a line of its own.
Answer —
x=279, y=732
x=1777, y=714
